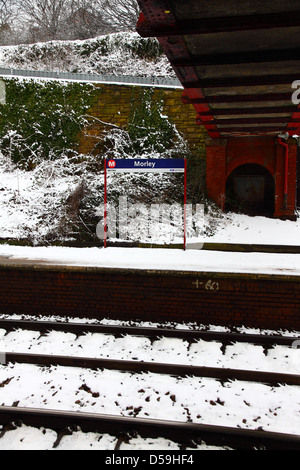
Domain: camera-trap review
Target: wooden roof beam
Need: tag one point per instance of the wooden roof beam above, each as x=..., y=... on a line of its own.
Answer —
x=251, y=80
x=238, y=58
x=214, y=25
x=254, y=129
x=249, y=111
x=277, y=120
x=229, y=98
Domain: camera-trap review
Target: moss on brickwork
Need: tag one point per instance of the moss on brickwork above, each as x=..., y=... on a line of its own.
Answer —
x=115, y=106
x=44, y=119
x=148, y=126
x=41, y=120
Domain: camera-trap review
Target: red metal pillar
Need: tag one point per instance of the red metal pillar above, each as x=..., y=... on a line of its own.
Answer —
x=105, y=204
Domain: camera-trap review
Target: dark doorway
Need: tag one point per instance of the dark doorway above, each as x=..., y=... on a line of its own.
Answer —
x=250, y=189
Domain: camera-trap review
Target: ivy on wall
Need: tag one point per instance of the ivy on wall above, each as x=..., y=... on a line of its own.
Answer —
x=149, y=128
x=42, y=120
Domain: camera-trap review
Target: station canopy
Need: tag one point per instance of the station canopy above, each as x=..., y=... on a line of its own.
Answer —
x=238, y=61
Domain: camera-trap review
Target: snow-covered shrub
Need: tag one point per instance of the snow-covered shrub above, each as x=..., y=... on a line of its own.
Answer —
x=149, y=129
x=113, y=54
x=41, y=120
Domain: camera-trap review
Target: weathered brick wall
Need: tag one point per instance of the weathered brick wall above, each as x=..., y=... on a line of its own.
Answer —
x=114, y=106
x=216, y=170
x=158, y=296
x=224, y=155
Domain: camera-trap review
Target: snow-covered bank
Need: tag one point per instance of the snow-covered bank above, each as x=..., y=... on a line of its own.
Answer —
x=239, y=228
x=115, y=54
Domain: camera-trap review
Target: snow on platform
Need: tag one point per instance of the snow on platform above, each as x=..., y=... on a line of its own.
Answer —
x=155, y=259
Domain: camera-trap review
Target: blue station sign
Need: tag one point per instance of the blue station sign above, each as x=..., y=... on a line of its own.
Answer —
x=151, y=165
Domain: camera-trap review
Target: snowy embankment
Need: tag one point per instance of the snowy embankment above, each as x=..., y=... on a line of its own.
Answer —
x=119, y=54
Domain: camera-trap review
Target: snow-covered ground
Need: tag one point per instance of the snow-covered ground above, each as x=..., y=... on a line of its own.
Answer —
x=202, y=400
x=29, y=438
x=29, y=198
x=240, y=228
x=168, y=350
x=156, y=259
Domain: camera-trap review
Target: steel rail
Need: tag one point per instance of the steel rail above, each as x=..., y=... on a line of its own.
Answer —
x=135, y=366
x=150, y=332
x=183, y=432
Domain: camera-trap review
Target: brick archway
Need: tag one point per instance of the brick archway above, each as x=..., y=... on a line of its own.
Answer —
x=250, y=189
x=225, y=155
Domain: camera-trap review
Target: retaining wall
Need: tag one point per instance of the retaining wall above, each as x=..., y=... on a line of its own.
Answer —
x=114, y=106
x=207, y=298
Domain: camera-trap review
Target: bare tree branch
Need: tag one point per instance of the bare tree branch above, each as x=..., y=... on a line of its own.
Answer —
x=121, y=15
x=7, y=16
x=85, y=20
x=44, y=20
x=48, y=16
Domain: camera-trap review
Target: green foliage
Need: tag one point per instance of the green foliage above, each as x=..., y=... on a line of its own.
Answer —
x=101, y=46
x=42, y=120
x=143, y=48
x=149, y=129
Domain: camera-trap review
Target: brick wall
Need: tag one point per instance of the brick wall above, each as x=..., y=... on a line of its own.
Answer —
x=114, y=106
x=225, y=155
x=280, y=209
x=216, y=170
x=206, y=298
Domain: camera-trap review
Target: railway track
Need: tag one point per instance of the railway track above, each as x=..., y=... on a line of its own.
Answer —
x=186, y=433
x=223, y=374
x=226, y=338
